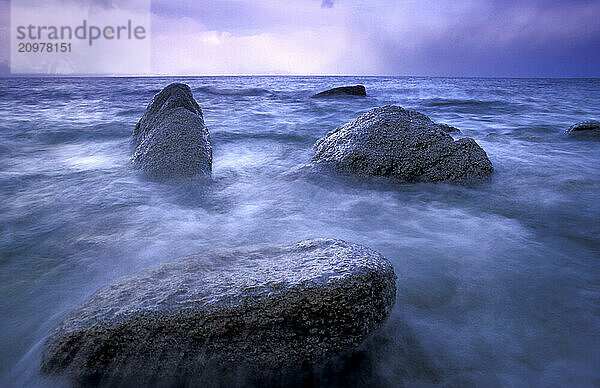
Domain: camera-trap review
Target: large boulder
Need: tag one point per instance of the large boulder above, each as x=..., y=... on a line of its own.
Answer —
x=589, y=128
x=394, y=142
x=171, y=138
x=267, y=309
x=357, y=90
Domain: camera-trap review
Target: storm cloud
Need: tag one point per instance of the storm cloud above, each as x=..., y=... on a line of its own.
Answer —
x=527, y=38
x=462, y=38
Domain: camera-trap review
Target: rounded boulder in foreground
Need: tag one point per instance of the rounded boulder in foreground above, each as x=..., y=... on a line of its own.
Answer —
x=268, y=308
x=393, y=142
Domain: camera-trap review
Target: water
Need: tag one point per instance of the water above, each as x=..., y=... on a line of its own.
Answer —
x=498, y=284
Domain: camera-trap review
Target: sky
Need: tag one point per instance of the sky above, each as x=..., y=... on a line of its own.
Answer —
x=515, y=38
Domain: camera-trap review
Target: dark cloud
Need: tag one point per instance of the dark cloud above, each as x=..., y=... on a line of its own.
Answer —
x=462, y=37
x=504, y=38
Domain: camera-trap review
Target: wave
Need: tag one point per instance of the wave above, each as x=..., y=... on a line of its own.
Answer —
x=130, y=112
x=69, y=134
x=222, y=91
x=37, y=97
x=228, y=137
x=460, y=102
x=235, y=92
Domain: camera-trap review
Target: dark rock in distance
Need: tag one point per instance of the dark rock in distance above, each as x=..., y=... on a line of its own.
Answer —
x=393, y=142
x=268, y=308
x=357, y=90
x=171, y=138
x=584, y=128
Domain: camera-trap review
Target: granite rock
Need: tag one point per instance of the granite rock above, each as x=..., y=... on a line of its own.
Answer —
x=393, y=142
x=268, y=308
x=171, y=138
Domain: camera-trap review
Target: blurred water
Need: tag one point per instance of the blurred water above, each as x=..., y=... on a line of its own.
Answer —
x=498, y=284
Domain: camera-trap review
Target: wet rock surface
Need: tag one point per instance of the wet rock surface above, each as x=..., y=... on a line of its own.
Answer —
x=448, y=128
x=357, y=90
x=589, y=128
x=393, y=142
x=171, y=138
x=269, y=309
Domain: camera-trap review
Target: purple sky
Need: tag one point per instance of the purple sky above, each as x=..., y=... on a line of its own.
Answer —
x=526, y=38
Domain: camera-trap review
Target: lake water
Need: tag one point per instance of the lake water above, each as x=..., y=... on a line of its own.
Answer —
x=498, y=284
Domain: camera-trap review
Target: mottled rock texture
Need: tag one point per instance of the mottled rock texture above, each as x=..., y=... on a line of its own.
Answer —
x=171, y=138
x=448, y=128
x=393, y=142
x=357, y=90
x=589, y=128
x=270, y=308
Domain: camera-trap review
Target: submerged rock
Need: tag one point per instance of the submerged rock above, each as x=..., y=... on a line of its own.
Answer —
x=171, y=137
x=394, y=142
x=584, y=128
x=357, y=90
x=268, y=309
